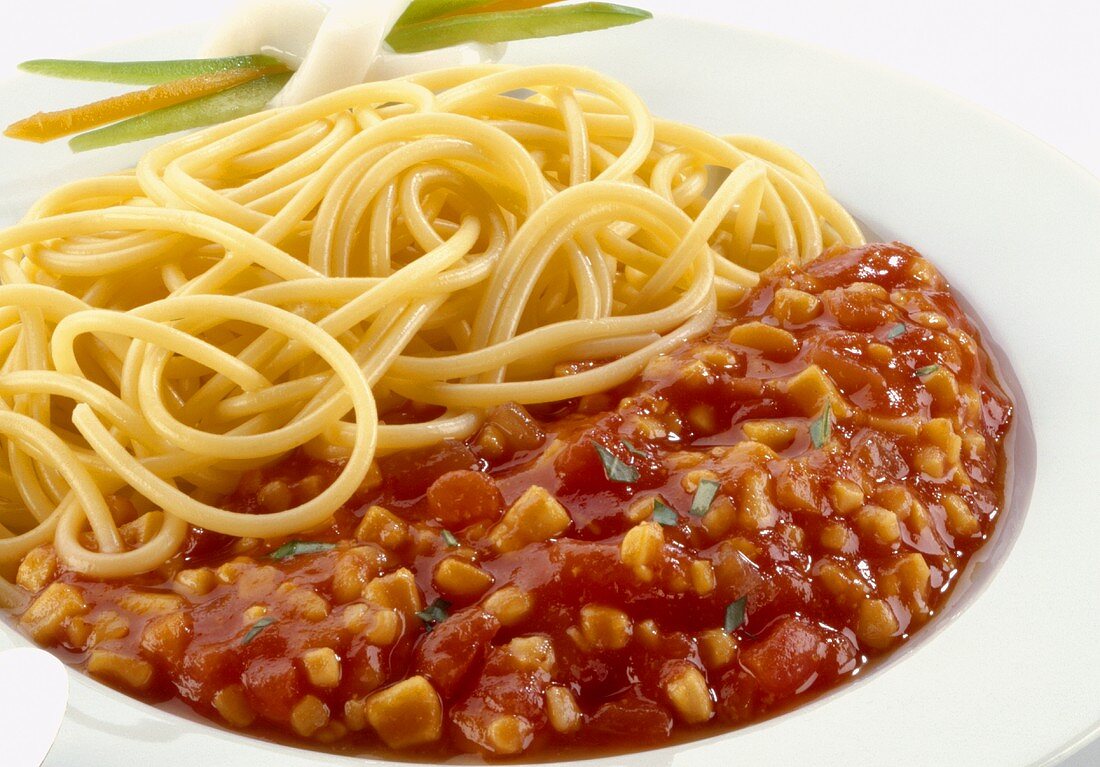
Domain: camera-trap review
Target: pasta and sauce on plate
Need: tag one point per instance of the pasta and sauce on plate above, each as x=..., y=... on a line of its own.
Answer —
x=481, y=411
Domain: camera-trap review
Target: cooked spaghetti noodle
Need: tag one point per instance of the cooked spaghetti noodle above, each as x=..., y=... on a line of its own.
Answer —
x=275, y=283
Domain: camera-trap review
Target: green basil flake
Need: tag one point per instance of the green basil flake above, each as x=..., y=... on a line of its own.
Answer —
x=614, y=468
x=927, y=370
x=294, y=548
x=895, y=331
x=449, y=539
x=735, y=615
x=822, y=427
x=636, y=450
x=663, y=515
x=256, y=628
x=704, y=497
x=435, y=614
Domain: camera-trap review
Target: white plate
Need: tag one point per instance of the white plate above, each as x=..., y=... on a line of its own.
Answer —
x=1011, y=676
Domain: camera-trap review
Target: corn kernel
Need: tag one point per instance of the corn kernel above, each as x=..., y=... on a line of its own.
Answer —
x=38, y=568
x=690, y=696
x=46, y=614
x=773, y=342
x=961, y=521
x=879, y=523
x=396, y=591
x=876, y=624
x=701, y=572
x=534, y=517
x=795, y=307
x=533, y=653
x=196, y=582
x=406, y=714
x=118, y=668
x=717, y=649
x=509, y=735
x=562, y=710
x=322, y=667
x=233, y=706
x=812, y=389
x=309, y=715
x=778, y=435
x=383, y=527
x=459, y=579
x=846, y=496
x=605, y=628
x=642, y=548
x=509, y=605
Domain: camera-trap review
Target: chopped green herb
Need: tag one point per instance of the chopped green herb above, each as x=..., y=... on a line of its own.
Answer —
x=636, y=450
x=663, y=515
x=255, y=629
x=927, y=370
x=704, y=497
x=895, y=331
x=198, y=113
x=504, y=26
x=735, y=615
x=294, y=548
x=614, y=468
x=435, y=614
x=141, y=72
x=822, y=427
x=449, y=538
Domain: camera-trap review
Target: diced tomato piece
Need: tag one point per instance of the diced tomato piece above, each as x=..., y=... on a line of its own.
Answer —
x=461, y=498
x=630, y=719
x=453, y=647
x=272, y=686
x=789, y=658
x=410, y=473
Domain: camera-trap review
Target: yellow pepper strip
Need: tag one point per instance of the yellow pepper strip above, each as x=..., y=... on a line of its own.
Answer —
x=47, y=126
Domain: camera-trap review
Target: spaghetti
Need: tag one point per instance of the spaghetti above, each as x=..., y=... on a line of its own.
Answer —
x=275, y=283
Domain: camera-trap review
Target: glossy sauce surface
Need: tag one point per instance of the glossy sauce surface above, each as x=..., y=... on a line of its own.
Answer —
x=744, y=525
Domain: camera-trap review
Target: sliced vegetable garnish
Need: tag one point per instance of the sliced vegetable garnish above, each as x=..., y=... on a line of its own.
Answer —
x=504, y=26
x=895, y=331
x=197, y=113
x=256, y=628
x=635, y=450
x=704, y=497
x=614, y=468
x=47, y=126
x=735, y=615
x=296, y=548
x=822, y=427
x=143, y=72
x=423, y=10
x=449, y=539
x=435, y=614
x=927, y=370
x=663, y=515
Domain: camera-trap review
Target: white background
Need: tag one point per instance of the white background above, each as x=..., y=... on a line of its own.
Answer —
x=1036, y=64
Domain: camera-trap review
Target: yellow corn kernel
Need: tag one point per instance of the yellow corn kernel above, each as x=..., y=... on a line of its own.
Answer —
x=812, y=389
x=107, y=625
x=845, y=496
x=941, y=433
x=379, y=626
x=322, y=667
x=396, y=591
x=354, y=569
x=509, y=735
x=690, y=481
x=701, y=573
x=355, y=714
x=383, y=527
x=333, y=731
x=778, y=435
x=961, y=521
x=876, y=624
x=406, y=714
x=509, y=605
x=641, y=509
x=305, y=602
x=930, y=461
x=125, y=670
x=458, y=579
x=837, y=537
x=880, y=354
x=167, y=636
x=931, y=320
x=605, y=628
x=647, y=634
x=943, y=387
x=879, y=523
x=233, y=706
x=151, y=603
x=309, y=715
x=533, y=653
x=231, y=571
x=275, y=496
x=38, y=568
x=535, y=516
x=47, y=614
x=195, y=582
x=795, y=307
x=768, y=339
x=914, y=581
x=756, y=511
x=689, y=695
x=717, y=649
x=719, y=518
x=844, y=583
x=253, y=614
x=642, y=548
x=562, y=709
x=141, y=530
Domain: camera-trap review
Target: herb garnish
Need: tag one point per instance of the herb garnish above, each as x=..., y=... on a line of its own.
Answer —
x=449, y=539
x=735, y=615
x=294, y=548
x=256, y=628
x=704, y=497
x=614, y=468
x=927, y=370
x=822, y=427
x=435, y=614
x=636, y=450
x=895, y=331
x=663, y=515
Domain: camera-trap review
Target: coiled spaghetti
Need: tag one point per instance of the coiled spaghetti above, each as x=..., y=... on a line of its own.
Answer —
x=275, y=283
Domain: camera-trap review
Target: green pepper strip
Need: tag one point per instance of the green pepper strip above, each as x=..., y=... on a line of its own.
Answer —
x=503, y=26
x=423, y=10
x=141, y=72
x=197, y=113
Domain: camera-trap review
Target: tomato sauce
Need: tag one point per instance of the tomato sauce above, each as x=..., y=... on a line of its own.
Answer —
x=746, y=524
